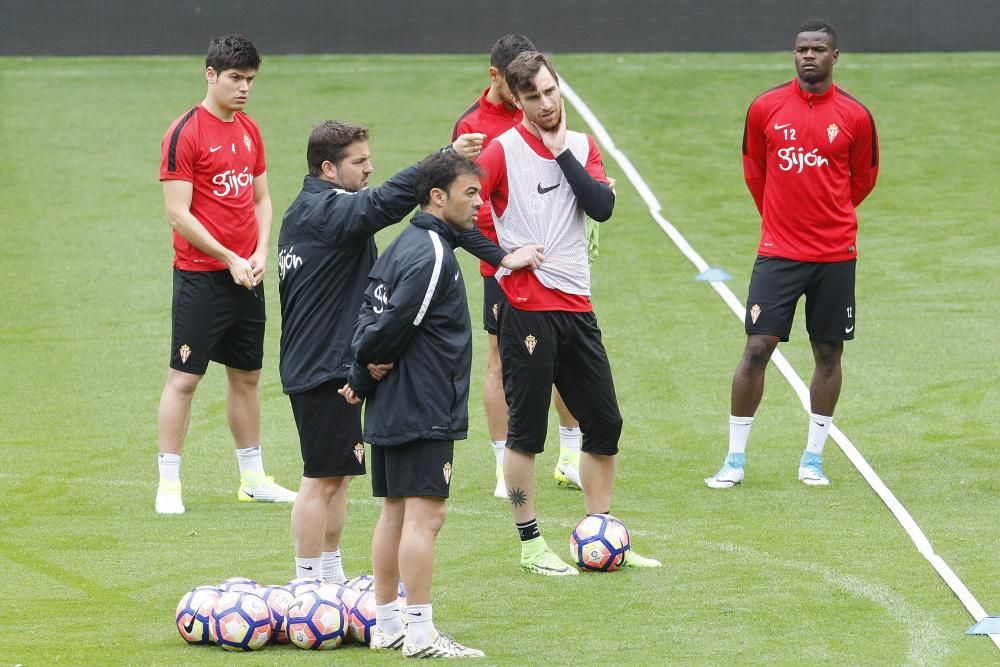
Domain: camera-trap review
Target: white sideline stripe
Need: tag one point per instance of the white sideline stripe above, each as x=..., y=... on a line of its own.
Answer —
x=435, y=274
x=846, y=446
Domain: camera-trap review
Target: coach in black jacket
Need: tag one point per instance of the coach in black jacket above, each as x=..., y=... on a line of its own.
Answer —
x=325, y=250
x=415, y=316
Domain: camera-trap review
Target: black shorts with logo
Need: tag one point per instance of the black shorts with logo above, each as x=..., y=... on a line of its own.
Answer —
x=542, y=348
x=413, y=469
x=329, y=432
x=777, y=284
x=492, y=296
x=214, y=319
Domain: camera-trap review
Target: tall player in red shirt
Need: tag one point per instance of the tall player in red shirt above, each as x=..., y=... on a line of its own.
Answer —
x=215, y=189
x=810, y=157
x=491, y=115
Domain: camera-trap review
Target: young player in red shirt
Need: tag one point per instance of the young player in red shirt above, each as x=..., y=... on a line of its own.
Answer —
x=491, y=115
x=810, y=157
x=215, y=189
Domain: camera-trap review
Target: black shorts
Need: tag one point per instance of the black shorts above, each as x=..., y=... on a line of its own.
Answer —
x=414, y=469
x=492, y=296
x=539, y=349
x=214, y=319
x=777, y=284
x=329, y=432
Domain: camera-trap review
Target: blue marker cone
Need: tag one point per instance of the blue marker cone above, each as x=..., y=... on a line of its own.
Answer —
x=713, y=275
x=987, y=626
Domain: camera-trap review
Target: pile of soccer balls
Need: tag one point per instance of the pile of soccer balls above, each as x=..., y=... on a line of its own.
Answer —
x=239, y=615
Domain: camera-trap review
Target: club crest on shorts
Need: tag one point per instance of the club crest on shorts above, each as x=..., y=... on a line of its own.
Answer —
x=496, y=311
x=359, y=452
x=831, y=131
x=530, y=342
x=185, y=352
x=446, y=470
x=754, y=313
x=246, y=142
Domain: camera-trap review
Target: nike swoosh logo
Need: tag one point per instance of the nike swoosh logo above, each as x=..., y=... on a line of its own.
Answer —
x=213, y=149
x=849, y=329
x=781, y=127
x=820, y=424
x=542, y=190
x=189, y=626
x=307, y=568
x=415, y=613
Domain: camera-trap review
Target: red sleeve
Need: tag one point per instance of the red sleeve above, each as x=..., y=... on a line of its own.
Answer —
x=494, y=178
x=177, y=158
x=864, y=158
x=595, y=164
x=461, y=127
x=755, y=154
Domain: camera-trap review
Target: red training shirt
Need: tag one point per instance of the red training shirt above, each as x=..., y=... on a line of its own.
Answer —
x=491, y=120
x=809, y=160
x=220, y=159
x=522, y=287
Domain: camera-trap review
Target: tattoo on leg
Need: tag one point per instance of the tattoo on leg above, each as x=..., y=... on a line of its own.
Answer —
x=517, y=497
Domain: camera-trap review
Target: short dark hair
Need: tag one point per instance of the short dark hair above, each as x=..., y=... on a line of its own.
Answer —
x=328, y=142
x=439, y=170
x=232, y=52
x=521, y=72
x=507, y=48
x=818, y=25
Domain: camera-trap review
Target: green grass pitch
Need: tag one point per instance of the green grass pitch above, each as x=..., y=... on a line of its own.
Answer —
x=772, y=572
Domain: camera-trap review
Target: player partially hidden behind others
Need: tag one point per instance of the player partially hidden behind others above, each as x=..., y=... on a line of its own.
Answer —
x=215, y=190
x=810, y=157
x=415, y=316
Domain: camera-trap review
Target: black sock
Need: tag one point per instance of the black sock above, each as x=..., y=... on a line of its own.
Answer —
x=528, y=530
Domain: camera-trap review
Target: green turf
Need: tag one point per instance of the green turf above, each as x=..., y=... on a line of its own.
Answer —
x=772, y=572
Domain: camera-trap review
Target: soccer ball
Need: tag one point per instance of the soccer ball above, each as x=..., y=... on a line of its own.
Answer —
x=362, y=582
x=316, y=621
x=194, y=613
x=277, y=598
x=301, y=585
x=599, y=543
x=241, y=621
x=238, y=584
x=347, y=596
x=361, y=617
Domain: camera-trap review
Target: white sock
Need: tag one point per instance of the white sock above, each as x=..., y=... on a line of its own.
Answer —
x=419, y=624
x=250, y=460
x=333, y=569
x=389, y=617
x=170, y=467
x=739, y=432
x=569, y=441
x=819, y=428
x=308, y=568
x=498, y=447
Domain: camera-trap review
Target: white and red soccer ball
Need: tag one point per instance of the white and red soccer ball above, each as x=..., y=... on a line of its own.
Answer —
x=194, y=614
x=299, y=586
x=599, y=543
x=241, y=621
x=277, y=598
x=238, y=584
x=316, y=621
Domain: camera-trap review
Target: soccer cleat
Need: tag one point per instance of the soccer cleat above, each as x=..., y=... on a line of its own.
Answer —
x=443, y=646
x=567, y=474
x=811, y=470
x=501, y=489
x=381, y=641
x=548, y=563
x=730, y=474
x=632, y=559
x=256, y=488
x=168, y=498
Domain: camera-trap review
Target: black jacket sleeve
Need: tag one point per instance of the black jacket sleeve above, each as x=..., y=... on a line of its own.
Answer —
x=362, y=214
x=477, y=244
x=596, y=198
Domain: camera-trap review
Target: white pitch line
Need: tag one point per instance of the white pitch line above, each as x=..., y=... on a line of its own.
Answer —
x=846, y=446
